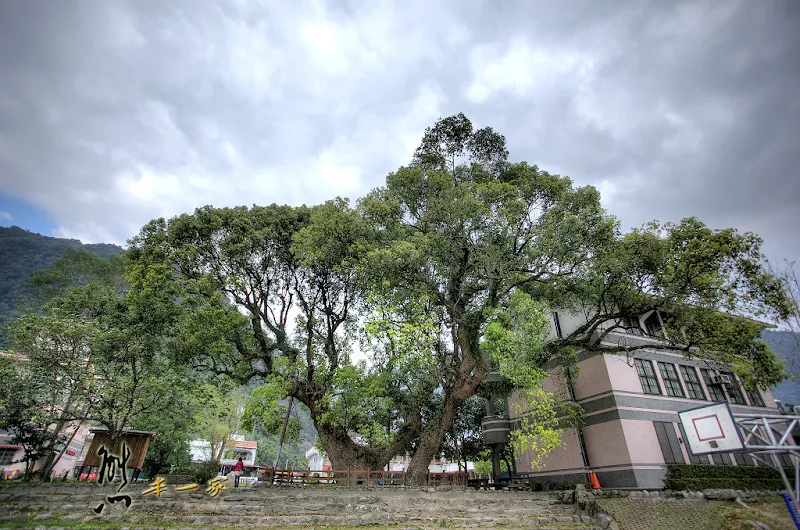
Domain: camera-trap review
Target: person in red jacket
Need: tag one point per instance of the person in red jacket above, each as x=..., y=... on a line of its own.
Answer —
x=237, y=472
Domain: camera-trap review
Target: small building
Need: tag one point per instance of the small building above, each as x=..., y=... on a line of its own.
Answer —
x=11, y=455
x=137, y=442
x=246, y=450
x=200, y=451
x=317, y=461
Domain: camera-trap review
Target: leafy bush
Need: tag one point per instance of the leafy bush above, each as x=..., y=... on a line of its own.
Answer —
x=204, y=472
x=703, y=476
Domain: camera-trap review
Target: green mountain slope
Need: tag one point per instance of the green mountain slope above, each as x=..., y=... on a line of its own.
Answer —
x=23, y=252
x=785, y=345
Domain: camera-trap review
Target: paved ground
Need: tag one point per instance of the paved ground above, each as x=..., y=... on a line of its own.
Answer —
x=650, y=514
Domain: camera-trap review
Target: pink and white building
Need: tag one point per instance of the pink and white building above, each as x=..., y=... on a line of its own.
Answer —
x=631, y=403
x=76, y=435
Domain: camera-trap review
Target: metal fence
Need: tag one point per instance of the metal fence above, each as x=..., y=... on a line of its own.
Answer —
x=353, y=477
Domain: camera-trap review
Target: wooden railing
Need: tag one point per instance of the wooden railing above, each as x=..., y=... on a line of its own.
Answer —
x=353, y=477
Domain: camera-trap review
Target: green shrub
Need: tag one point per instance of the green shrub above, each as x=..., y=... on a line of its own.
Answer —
x=203, y=472
x=703, y=476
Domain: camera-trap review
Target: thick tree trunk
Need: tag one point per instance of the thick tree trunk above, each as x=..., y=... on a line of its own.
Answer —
x=433, y=435
x=343, y=452
x=431, y=441
x=470, y=375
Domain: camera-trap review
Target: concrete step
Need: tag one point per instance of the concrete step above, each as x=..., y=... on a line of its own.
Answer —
x=287, y=507
x=202, y=521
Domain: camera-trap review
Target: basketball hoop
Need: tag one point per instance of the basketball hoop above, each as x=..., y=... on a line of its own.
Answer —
x=715, y=429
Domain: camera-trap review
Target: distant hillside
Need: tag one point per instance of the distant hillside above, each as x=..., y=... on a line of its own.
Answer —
x=784, y=344
x=23, y=252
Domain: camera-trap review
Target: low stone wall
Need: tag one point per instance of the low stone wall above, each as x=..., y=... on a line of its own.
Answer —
x=606, y=506
x=713, y=494
x=66, y=505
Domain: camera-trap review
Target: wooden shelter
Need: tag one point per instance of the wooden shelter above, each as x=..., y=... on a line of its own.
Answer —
x=137, y=442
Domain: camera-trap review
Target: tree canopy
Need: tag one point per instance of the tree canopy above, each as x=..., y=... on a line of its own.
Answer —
x=383, y=319
x=93, y=351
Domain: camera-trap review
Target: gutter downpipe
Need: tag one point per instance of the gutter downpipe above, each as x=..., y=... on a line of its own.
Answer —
x=581, y=441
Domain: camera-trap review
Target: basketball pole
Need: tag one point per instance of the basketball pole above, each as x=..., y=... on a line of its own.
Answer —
x=771, y=435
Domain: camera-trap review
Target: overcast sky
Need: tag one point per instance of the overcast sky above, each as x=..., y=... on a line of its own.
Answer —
x=113, y=113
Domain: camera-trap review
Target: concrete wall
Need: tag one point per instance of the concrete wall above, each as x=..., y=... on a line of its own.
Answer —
x=593, y=377
x=566, y=458
x=569, y=320
x=621, y=375
x=625, y=454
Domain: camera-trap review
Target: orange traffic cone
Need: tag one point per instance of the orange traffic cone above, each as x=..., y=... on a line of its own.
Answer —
x=593, y=480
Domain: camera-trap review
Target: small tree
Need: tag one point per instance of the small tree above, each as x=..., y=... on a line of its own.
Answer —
x=94, y=347
x=26, y=416
x=218, y=419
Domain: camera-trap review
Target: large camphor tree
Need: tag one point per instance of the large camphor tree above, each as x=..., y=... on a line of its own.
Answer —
x=494, y=245
x=443, y=275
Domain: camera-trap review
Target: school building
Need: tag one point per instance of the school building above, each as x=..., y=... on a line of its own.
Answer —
x=631, y=403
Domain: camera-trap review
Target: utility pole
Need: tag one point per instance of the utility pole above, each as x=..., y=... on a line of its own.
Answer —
x=283, y=431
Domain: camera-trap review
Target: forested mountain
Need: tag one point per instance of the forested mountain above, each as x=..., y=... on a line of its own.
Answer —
x=786, y=345
x=23, y=252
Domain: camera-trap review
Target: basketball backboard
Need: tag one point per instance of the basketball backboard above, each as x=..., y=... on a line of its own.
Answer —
x=711, y=429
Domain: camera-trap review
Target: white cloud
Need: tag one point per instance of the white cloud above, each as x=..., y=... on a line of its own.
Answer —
x=521, y=69
x=7, y=216
x=119, y=112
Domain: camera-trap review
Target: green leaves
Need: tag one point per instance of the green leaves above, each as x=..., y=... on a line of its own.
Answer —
x=264, y=408
x=515, y=336
x=446, y=273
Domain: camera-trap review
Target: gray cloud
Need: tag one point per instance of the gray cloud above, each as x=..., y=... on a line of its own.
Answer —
x=112, y=113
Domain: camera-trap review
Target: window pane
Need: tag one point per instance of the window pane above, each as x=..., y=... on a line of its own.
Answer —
x=670, y=377
x=734, y=390
x=631, y=325
x=755, y=398
x=653, y=325
x=6, y=456
x=693, y=385
x=716, y=391
x=721, y=459
x=557, y=323
x=647, y=376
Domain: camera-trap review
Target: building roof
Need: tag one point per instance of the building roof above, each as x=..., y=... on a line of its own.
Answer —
x=246, y=445
x=137, y=442
x=125, y=432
